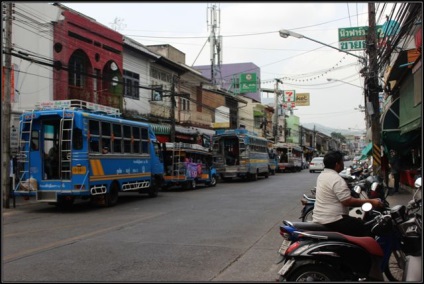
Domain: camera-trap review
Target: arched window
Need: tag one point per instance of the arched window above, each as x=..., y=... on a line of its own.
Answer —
x=77, y=69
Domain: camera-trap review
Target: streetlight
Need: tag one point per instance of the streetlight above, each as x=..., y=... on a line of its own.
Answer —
x=337, y=80
x=287, y=33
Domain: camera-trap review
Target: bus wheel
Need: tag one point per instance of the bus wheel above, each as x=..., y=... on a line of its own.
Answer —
x=112, y=195
x=192, y=184
x=65, y=202
x=154, y=190
x=254, y=176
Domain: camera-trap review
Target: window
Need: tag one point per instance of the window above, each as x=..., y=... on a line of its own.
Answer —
x=131, y=85
x=106, y=135
x=185, y=104
x=94, y=131
x=77, y=69
x=127, y=140
x=117, y=138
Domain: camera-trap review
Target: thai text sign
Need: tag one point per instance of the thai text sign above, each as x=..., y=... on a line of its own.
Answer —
x=355, y=38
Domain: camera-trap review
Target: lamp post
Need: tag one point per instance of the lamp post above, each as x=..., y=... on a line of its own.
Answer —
x=337, y=80
x=287, y=33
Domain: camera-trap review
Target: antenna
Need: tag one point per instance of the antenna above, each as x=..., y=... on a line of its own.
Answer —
x=215, y=40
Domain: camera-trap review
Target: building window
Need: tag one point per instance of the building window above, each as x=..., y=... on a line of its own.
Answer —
x=77, y=66
x=131, y=85
x=185, y=104
x=160, y=75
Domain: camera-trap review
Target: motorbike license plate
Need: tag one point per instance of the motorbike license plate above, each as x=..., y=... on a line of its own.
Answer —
x=284, y=247
x=289, y=263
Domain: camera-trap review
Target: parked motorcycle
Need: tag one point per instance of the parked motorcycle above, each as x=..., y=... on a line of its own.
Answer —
x=310, y=252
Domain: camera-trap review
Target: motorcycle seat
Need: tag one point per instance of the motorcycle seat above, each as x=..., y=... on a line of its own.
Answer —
x=368, y=243
x=309, y=226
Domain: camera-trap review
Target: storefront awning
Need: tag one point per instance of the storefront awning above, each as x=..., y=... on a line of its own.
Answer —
x=391, y=133
x=161, y=129
x=366, y=151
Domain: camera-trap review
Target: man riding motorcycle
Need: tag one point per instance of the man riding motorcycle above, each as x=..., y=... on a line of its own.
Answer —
x=333, y=199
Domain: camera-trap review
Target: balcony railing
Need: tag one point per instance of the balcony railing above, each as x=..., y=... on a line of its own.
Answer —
x=102, y=98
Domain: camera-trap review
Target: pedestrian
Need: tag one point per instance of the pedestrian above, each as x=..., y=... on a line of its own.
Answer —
x=395, y=169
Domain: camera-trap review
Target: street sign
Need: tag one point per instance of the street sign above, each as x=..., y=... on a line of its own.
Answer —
x=355, y=38
x=248, y=83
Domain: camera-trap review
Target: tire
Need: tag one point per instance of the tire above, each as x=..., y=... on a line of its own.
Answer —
x=254, y=176
x=394, y=269
x=213, y=181
x=65, y=202
x=308, y=216
x=311, y=171
x=190, y=184
x=154, y=190
x=313, y=272
x=113, y=195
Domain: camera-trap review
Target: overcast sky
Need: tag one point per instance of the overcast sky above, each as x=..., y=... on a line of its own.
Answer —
x=250, y=34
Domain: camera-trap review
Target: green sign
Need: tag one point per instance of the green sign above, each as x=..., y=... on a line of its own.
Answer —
x=355, y=38
x=248, y=83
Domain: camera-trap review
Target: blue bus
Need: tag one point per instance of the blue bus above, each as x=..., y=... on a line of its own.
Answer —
x=239, y=153
x=74, y=149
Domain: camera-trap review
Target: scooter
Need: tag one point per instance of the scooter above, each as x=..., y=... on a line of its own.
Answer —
x=400, y=231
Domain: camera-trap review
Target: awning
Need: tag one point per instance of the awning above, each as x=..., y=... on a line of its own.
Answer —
x=391, y=133
x=366, y=151
x=161, y=129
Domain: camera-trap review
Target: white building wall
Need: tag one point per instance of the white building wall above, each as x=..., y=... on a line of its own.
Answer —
x=32, y=35
x=134, y=62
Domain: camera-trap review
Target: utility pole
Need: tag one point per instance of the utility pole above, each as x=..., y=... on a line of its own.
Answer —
x=173, y=104
x=276, y=92
x=5, y=121
x=373, y=90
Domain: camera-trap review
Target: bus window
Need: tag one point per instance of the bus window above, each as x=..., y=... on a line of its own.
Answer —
x=127, y=138
x=117, y=138
x=137, y=140
x=77, y=139
x=106, y=135
x=145, y=138
x=35, y=141
x=94, y=130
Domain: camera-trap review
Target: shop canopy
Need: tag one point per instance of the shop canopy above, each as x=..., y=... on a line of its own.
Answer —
x=366, y=151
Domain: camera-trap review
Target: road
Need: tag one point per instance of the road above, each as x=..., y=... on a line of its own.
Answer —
x=223, y=233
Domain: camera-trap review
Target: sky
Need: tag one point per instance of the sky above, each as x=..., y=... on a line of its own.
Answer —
x=250, y=33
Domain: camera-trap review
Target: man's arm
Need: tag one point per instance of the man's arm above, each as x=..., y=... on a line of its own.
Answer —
x=356, y=202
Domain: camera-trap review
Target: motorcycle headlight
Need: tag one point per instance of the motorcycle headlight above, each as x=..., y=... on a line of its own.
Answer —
x=374, y=186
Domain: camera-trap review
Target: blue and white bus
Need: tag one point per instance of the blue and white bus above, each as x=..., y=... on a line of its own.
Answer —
x=239, y=153
x=74, y=149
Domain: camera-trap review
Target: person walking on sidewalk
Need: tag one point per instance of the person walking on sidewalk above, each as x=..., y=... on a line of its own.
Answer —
x=395, y=169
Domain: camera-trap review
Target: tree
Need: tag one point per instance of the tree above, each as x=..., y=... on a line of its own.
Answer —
x=338, y=135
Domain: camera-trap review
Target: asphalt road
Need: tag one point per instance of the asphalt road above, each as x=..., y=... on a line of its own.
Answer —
x=223, y=233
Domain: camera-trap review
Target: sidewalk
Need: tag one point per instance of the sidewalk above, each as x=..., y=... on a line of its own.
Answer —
x=403, y=197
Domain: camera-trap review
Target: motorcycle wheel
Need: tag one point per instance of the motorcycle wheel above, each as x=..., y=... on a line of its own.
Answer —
x=308, y=216
x=394, y=269
x=313, y=272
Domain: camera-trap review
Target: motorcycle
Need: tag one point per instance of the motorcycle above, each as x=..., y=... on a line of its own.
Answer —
x=311, y=252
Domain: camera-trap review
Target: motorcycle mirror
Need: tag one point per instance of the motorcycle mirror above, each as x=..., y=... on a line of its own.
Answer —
x=366, y=206
x=357, y=189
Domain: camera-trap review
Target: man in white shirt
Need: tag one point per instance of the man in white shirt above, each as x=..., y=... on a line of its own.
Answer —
x=333, y=199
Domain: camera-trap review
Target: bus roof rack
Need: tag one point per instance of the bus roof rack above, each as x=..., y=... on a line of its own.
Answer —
x=78, y=104
x=180, y=145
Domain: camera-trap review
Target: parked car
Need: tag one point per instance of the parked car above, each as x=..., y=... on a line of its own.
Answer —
x=317, y=164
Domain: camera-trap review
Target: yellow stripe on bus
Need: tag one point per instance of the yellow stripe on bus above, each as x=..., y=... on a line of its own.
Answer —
x=122, y=176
